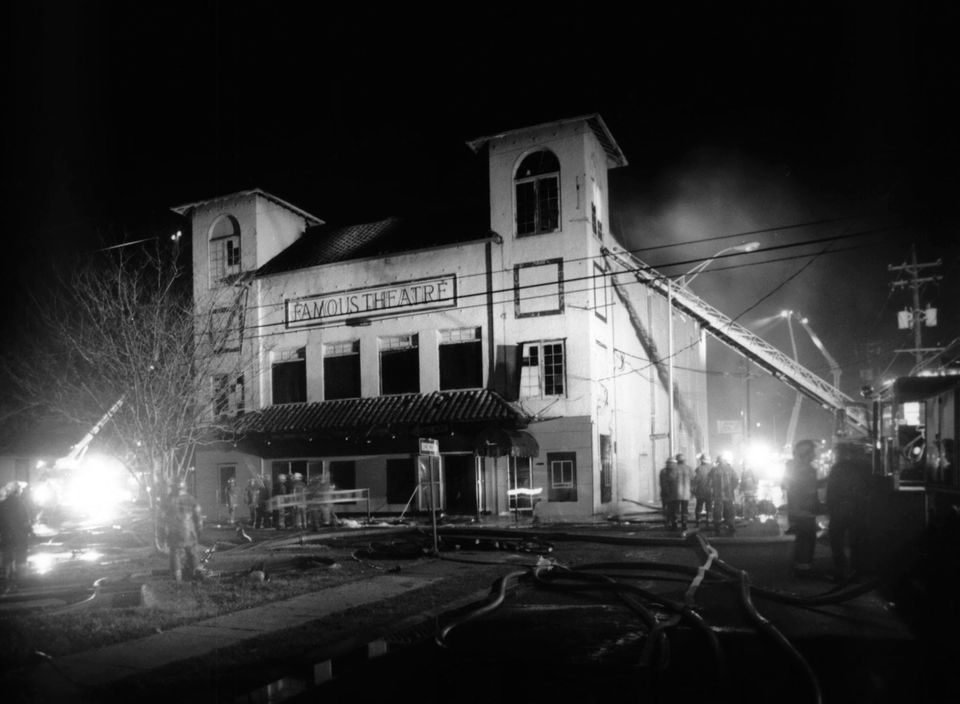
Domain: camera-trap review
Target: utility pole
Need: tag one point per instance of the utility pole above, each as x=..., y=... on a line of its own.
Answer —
x=917, y=316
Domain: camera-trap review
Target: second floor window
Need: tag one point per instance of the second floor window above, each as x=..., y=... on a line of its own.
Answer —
x=542, y=369
x=341, y=370
x=538, y=194
x=461, y=359
x=289, y=377
x=399, y=365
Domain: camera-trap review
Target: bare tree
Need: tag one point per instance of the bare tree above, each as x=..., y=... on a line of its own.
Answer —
x=127, y=328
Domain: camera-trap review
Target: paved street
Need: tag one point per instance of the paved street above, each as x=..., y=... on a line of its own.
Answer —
x=859, y=647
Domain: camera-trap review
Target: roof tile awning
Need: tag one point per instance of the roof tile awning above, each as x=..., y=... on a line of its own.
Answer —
x=470, y=406
x=501, y=442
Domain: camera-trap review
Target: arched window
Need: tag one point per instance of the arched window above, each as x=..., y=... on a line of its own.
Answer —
x=538, y=194
x=224, y=249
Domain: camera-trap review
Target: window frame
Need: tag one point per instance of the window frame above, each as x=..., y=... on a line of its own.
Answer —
x=291, y=356
x=457, y=337
x=391, y=345
x=338, y=350
x=224, y=251
x=566, y=489
x=540, y=198
x=541, y=365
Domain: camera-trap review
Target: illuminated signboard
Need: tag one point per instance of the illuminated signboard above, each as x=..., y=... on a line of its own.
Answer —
x=400, y=297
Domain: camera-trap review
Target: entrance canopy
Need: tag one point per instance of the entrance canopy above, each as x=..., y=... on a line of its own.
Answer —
x=501, y=442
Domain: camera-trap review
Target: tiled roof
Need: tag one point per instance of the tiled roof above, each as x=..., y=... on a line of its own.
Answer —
x=470, y=406
x=327, y=244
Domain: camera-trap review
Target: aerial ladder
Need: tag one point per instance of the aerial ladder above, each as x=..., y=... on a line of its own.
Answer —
x=851, y=416
x=78, y=451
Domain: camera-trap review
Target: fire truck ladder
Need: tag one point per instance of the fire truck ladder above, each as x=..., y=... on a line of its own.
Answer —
x=850, y=415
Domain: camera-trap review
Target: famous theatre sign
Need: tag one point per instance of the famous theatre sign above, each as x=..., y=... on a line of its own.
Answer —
x=359, y=303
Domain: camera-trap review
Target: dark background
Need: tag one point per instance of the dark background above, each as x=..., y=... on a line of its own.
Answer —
x=733, y=120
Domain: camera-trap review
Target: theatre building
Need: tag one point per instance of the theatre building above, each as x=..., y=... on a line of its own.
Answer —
x=533, y=357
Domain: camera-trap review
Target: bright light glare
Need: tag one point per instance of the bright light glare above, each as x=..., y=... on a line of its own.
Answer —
x=97, y=488
x=42, y=562
x=764, y=461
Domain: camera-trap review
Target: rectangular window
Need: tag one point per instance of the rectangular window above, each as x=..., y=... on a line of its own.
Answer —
x=401, y=480
x=461, y=359
x=606, y=469
x=343, y=474
x=227, y=398
x=538, y=205
x=399, y=365
x=542, y=369
x=224, y=258
x=289, y=377
x=341, y=370
x=600, y=300
x=562, y=469
x=220, y=394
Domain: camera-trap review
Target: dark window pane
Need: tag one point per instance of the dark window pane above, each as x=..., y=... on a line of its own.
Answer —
x=290, y=382
x=548, y=202
x=341, y=376
x=542, y=162
x=401, y=480
x=526, y=208
x=553, y=369
x=460, y=365
x=400, y=371
x=343, y=474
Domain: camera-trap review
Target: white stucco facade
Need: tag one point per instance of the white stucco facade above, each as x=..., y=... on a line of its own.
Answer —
x=543, y=318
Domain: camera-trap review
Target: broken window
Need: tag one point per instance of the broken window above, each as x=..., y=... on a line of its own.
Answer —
x=399, y=365
x=341, y=370
x=562, y=468
x=542, y=369
x=289, y=376
x=224, y=250
x=538, y=194
x=227, y=398
x=461, y=359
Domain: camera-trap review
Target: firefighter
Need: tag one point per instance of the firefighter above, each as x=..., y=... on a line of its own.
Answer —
x=15, y=531
x=847, y=487
x=723, y=483
x=668, y=480
x=682, y=491
x=230, y=499
x=800, y=483
x=702, y=491
x=251, y=498
x=280, y=513
x=184, y=525
x=299, y=490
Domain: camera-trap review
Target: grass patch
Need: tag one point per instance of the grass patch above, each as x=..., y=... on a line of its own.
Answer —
x=166, y=605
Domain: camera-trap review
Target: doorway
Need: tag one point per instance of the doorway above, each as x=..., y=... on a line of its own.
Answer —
x=461, y=484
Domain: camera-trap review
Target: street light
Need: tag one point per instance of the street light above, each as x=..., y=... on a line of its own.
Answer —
x=683, y=282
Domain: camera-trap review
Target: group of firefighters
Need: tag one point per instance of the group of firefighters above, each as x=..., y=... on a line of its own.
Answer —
x=715, y=488
x=302, y=509
x=184, y=520
x=712, y=486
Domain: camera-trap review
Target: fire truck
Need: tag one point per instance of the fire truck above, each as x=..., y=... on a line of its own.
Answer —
x=78, y=485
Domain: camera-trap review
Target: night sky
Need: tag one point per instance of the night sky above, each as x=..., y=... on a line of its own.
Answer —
x=732, y=121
